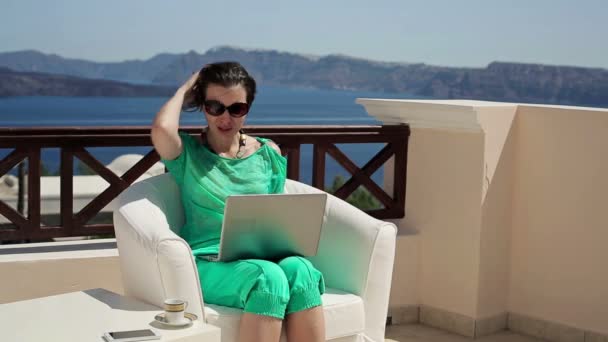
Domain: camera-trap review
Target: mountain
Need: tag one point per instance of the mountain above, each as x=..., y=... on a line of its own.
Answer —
x=41, y=84
x=499, y=81
x=136, y=71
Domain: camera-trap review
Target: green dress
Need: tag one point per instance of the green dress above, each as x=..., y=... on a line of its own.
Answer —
x=257, y=286
x=206, y=180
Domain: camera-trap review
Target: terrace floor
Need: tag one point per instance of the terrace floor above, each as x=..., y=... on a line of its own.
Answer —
x=422, y=333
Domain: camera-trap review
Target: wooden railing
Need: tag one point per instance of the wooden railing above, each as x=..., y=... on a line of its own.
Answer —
x=26, y=143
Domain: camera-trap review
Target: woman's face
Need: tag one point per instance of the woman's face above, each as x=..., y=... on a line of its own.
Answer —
x=225, y=125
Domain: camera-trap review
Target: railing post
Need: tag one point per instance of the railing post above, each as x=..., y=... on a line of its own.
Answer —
x=293, y=162
x=67, y=189
x=399, y=174
x=21, y=190
x=33, y=191
x=318, y=166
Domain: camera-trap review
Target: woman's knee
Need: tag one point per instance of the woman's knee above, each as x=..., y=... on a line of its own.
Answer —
x=299, y=271
x=271, y=277
x=269, y=295
x=305, y=283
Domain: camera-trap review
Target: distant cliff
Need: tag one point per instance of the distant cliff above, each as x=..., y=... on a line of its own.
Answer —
x=40, y=84
x=499, y=81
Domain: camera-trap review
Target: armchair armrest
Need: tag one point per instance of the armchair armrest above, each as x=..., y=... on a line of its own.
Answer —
x=155, y=262
x=356, y=255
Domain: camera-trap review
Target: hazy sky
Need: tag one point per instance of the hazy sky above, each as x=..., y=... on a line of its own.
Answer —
x=448, y=32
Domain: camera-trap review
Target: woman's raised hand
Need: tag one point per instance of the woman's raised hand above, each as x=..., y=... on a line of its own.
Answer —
x=165, y=137
x=190, y=82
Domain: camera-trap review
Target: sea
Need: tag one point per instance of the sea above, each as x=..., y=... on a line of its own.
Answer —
x=273, y=106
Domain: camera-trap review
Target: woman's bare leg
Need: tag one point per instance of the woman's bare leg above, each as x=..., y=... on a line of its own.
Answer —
x=306, y=326
x=258, y=328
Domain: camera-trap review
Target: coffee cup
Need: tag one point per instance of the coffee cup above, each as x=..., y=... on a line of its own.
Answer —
x=174, y=310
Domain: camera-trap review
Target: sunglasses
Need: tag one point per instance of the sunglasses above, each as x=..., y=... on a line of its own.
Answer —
x=216, y=108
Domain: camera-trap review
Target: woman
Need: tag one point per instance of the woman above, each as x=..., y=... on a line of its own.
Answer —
x=229, y=162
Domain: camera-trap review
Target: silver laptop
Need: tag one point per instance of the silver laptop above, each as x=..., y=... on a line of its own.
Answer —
x=272, y=227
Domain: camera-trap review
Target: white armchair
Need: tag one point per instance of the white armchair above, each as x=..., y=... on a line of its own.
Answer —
x=355, y=255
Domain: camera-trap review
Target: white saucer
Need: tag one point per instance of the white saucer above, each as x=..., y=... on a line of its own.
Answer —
x=188, y=319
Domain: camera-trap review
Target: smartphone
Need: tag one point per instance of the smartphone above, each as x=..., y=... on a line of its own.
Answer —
x=131, y=335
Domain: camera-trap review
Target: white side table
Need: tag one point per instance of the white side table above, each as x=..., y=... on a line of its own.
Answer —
x=86, y=316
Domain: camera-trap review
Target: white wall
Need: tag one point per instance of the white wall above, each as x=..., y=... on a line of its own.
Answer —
x=509, y=203
x=32, y=275
x=559, y=254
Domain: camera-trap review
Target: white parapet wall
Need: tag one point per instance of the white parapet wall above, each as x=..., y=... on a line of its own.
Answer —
x=44, y=269
x=507, y=203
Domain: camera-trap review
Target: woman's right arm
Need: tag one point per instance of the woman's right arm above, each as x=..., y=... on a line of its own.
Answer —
x=165, y=137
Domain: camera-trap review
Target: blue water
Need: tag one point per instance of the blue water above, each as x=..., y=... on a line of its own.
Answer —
x=273, y=106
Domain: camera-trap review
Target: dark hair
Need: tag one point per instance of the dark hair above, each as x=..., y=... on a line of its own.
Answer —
x=225, y=74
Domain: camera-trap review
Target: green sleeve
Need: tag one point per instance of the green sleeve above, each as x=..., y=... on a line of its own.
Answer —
x=177, y=167
x=278, y=164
